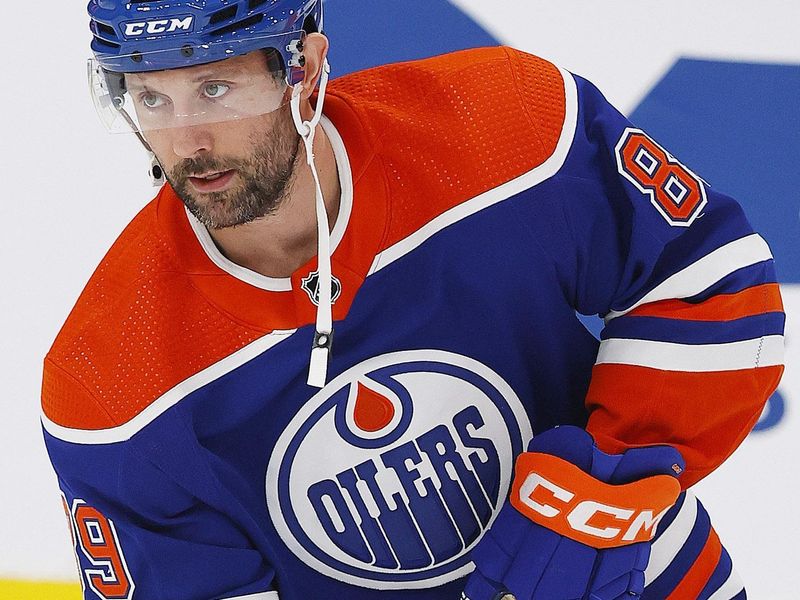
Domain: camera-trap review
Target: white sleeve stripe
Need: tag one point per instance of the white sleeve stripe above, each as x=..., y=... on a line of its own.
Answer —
x=666, y=547
x=261, y=596
x=702, y=274
x=732, y=586
x=693, y=358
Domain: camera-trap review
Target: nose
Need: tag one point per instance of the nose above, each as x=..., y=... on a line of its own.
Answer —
x=188, y=142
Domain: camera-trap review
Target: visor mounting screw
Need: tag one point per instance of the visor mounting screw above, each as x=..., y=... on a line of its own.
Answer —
x=136, y=57
x=187, y=51
x=295, y=46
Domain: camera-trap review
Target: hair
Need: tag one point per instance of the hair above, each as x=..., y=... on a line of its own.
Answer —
x=275, y=63
x=310, y=25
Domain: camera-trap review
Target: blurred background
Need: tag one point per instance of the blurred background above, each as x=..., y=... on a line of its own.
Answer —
x=716, y=82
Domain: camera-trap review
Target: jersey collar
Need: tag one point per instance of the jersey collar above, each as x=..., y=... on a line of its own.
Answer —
x=284, y=284
x=269, y=303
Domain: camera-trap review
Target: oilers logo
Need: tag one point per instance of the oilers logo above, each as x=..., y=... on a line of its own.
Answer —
x=389, y=476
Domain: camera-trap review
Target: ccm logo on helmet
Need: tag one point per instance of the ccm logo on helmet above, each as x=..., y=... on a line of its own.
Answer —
x=158, y=26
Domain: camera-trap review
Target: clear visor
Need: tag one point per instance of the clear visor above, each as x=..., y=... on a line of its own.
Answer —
x=241, y=87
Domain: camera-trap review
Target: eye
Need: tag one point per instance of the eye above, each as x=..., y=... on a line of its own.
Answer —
x=151, y=100
x=215, y=90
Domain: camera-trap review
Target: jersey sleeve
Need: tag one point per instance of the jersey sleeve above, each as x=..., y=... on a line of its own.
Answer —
x=693, y=340
x=141, y=531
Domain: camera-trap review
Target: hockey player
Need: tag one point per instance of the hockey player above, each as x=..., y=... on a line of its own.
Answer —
x=461, y=433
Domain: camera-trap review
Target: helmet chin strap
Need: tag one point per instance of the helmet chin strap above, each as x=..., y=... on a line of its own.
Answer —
x=323, y=337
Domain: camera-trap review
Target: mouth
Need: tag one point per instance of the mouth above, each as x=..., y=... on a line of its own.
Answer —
x=216, y=181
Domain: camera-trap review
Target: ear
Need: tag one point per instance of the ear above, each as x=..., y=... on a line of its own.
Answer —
x=315, y=51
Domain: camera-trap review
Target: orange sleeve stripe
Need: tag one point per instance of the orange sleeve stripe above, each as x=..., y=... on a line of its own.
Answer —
x=701, y=571
x=724, y=307
x=705, y=416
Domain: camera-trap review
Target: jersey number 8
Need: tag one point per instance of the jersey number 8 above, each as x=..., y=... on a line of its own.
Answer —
x=677, y=193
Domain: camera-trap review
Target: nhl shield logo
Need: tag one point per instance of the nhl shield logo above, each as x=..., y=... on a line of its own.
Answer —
x=389, y=476
x=311, y=287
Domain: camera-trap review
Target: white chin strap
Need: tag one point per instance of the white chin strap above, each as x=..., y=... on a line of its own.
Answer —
x=323, y=338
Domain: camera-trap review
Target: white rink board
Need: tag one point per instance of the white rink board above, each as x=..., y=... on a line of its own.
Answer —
x=70, y=188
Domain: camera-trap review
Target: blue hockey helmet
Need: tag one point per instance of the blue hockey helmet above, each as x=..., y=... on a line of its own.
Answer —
x=136, y=37
x=132, y=36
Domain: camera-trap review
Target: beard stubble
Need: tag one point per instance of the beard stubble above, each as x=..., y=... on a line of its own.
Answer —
x=266, y=177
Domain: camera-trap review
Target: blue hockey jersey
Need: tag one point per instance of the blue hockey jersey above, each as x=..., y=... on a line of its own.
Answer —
x=487, y=196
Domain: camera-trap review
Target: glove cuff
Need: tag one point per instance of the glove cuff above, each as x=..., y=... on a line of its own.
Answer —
x=558, y=495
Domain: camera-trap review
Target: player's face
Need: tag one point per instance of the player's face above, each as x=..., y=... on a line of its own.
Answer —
x=227, y=151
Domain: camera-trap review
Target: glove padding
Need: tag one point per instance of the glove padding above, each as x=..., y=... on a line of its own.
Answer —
x=533, y=562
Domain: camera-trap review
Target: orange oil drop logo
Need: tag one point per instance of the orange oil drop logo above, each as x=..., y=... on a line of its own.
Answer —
x=373, y=411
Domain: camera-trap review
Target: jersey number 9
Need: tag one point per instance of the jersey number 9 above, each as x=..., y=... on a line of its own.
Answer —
x=108, y=574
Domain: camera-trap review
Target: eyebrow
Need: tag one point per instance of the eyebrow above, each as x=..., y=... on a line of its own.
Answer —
x=136, y=87
x=219, y=74
x=203, y=76
x=206, y=76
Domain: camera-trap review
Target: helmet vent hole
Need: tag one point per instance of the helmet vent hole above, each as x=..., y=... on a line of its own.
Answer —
x=106, y=30
x=106, y=43
x=253, y=4
x=223, y=15
x=238, y=25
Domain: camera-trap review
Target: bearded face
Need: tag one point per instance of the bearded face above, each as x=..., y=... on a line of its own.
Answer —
x=224, y=135
x=237, y=188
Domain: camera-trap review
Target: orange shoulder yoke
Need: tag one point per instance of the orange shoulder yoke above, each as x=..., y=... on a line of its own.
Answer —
x=133, y=334
x=455, y=126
